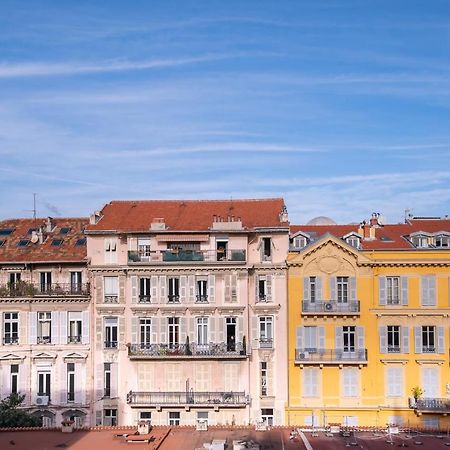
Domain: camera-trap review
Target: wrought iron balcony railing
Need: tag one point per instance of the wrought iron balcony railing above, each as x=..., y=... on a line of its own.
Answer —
x=76, y=339
x=205, y=351
x=193, y=256
x=433, y=405
x=25, y=289
x=330, y=307
x=10, y=340
x=330, y=356
x=44, y=340
x=213, y=399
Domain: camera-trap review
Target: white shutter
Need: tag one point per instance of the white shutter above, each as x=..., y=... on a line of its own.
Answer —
x=404, y=290
x=360, y=337
x=212, y=329
x=255, y=332
x=183, y=324
x=383, y=338
x=154, y=288
x=424, y=290
x=430, y=382
x=32, y=327
x=240, y=327
x=299, y=335
x=134, y=330
x=192, y=331
x=80, y=376
x=155, y=329
x=306, y=296
x=432, y=290
x=191, y=289
x=227, y=290
x=85, y=317
x=63, y=385
x=321, y=338
x=405, y=339
x=114, y=380
x=220, y=329
x=269, y=290
x=134, y=289
x=183, y=288
x=418, y=339
x=55, y=328
x=339, y=338
x=63, y=327
x=211, y=288
x=234, y=287
x=394, y=381
x=440, y=340
x=333, y=288
x=352, y=289
x=163, y=330
x=319, y=293
x=163, y=289
x=382, y=290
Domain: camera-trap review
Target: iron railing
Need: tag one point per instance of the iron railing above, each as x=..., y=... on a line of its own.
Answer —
x=8, y=340
x=330, y=307
x=433, y=405
x=25, y=289
x=162, y=351
x=314, y=355
x=195, y=256
x=188, y=398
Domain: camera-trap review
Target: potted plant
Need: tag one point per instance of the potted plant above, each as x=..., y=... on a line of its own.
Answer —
x=416, y=392
x=188, y=347
x=244, y=346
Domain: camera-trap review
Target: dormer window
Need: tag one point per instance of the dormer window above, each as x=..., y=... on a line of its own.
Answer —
x=442, y=241
x=300, y=242
x=420, y=241
x=353, y=241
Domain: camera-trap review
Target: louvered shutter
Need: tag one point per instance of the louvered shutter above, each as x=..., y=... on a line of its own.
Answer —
x=333, y=288
x=80, y=380
x=352, y=289
x=319, y=290
x=220, y=329
x=255, y=332
x=154, y=289
x=383, y=339
x=211, y=288
x=99, y=382
x=339, y=338
x=63, y=336
x=55, y=328
x=163, y=330
x=163, y=289
x=424, y=290
x=432, y=290
x=155, y=330
x=306, y=296
x=191, y=289
x=63, y=385
x=114, y=380
x=404, y=290
x=269, y=288
x=121, y=293
x=98, y=417
x=234, y=287
x=405, y=339
x=213, y=335
x=134, y=289
x=321, y=338
x=134, y=330
x=193, y=334
x=227, y=291
x=32, y=327
x=418, y=339
x=382, y=290
x=240, y=326
x=183, y=288
x=300, y=332
x=440, y=340
x=360, y=337
x=183, y=329
x=85, y=317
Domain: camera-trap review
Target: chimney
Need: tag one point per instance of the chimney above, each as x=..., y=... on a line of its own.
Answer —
x=40, y=235
x=361, y=228
x=49, y=225
x=158, y=224
x=94, y=218
x=284, y=215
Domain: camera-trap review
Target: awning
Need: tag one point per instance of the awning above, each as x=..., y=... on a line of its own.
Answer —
x=182, y=237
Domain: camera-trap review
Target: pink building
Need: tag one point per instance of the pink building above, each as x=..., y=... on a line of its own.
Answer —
x=189, y=311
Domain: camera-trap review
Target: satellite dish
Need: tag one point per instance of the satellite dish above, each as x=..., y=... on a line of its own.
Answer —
x=34, y=237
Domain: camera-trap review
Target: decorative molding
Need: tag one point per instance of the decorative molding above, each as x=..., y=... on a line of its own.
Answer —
x=11, y=357
x=394, y=361
x=430, y=361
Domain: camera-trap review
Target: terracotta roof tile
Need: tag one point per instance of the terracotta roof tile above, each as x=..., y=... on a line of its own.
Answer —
x=188, y=215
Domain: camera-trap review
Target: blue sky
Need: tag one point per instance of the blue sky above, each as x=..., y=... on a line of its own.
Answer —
x=341, y=107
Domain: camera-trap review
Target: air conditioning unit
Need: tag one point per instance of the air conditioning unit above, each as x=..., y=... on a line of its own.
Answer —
x=328, y=306
x=202, y=425
x=303, y=355
x=42, y=400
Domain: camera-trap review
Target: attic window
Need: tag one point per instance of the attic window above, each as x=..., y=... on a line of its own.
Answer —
x=354, y=241
x=23, y=243
x=299, y=242
x=420, y=241
x=80, y=242
x=57, y=242
x=2, y=242
x=442, y=241
x=386, y=239
x=6, y=231
x=64, y=230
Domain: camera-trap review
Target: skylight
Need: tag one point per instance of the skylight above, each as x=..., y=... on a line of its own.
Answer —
x=2, y=242
x=57, y=242
x=64, y=230
x=6, y=231
x=23, y=243
x=81, y=241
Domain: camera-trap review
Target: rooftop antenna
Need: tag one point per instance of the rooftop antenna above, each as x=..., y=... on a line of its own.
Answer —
x=34, y=209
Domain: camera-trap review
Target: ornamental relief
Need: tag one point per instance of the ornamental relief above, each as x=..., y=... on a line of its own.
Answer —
x=330, y=261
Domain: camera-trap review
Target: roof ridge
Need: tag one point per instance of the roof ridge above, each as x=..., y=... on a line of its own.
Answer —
x=198, y=200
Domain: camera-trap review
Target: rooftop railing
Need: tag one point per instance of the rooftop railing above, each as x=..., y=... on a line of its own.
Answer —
x=330, y=307
x=192, y=256
x=327, y=356
x=25, y=289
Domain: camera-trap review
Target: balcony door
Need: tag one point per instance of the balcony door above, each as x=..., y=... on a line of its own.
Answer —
x=174, y=332
x=202, y=332
x=231, y=334
x=349, y=337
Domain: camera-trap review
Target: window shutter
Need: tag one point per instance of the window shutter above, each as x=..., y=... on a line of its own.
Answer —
x=240, y=326
x=227, y=291
x=191, y=289
x=183, y=329
x=418, y=339
x=405, y=339
x=99, y=382
x=114, y=380
x=134, y=330
x=22, y=382
x=220, y=329
x=85, y=327
x=212, y=329
x=353, y=289
x=32, y=327
x=162, y=289
x=64, y=385
x=183, y=288
x=134, y=288
x=63, y=324
x=98, y=333
x=154, y=288
x=360, y=337
x=255, y=333
x=306, y=296
x=321, y=338
x=333, y=288
x=383, y=339
x=234, y=287
x=269, y=288
x=382, y=290
x=120, y=281
x=55, y=328
x=432, y=290
x=424, y=290
x=163, y=330
x=319, y=294
x=98, y=417
x=99, y=289
x=211, y=288
x=193, y=332
x=339, y=338
x=257, y=279
x=315, y=383
x=440, y=340
x=80, y=383
x=300, y=331
x=155, y=328
x=404, y=291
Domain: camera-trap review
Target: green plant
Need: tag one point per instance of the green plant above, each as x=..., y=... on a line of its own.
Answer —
x=244, y=346
x=188, y=347
x=12, y=416
x=417, y=392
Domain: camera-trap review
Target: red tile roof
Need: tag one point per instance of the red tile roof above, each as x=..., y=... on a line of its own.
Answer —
x=45, y=252
x=188, y=215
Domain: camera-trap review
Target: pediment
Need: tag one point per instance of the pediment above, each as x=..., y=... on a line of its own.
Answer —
x=11, y=357
x=75, y=355
x=44, y=356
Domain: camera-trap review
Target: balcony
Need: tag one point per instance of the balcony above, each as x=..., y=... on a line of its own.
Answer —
x=11, y=340
x=75, y=339
x=24, y=289
x=432, y=405
x=331, y=307
x=330, y=356
x=184, y=351
x=191, y=256
x=183, y=399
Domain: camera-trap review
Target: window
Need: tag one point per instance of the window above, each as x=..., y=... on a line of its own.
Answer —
x=75, y=283
x=45, y=281
x=145, y=415
x=202, y=291
x=2, y=242
x=14, y=378
x=44, y=328
x=310, y=339
x=11, y=328
x=64, y=230
x=202, y=416
x=349, y=334
x=394, y=382
x=110, y=251
x=174, y=418
x=299, y=242
x=428, y=290
x=430, y=381
x=420, y=241
x=263, y=370
x=393, y=290
x=342, y=289
x=110, y=417
x=312, y=289
x=107, y=379
x=70, y=382
x=311, y=382
x=174, y=332
x=145, y=332
x=144, y=290
x=350, y=382
x=80, y=242
x=75, y=327
x=266, y=249
x=442, y=241
x=23, y=243
x=144, y=249
x=111, y=289
x=267, y=416
x=428, y=339
x=44, y=379
x=202, y=331
x=174, y=290
x=57, y=242
x=262, y=289
x=266, y=331
x=221, y=250
x=393, y=339
x=6, y=231
x=354, y=241
x=14, y=279
x=111, y=332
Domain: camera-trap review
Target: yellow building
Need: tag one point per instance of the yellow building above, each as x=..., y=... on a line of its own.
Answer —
x=369, y=323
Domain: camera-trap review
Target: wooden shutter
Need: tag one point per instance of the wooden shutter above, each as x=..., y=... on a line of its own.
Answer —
x=183, y=288
x=211, y=288
x=191, y=289
x=63, y=385
x=220, y=329
x=432, y=290
x=321, y=338
x=440, y=340
x=63, y=324
x=134, y=289
x=240, y=327
x=306, y=296
x=405, y=339
x=255, y=332
x=418, y=339
x=121, y=293
x=404, y=290
x=300, y=332
x=227, y=291
x=382, y=291
x=360, y=338
x=234, y=287
x=134, y=330
x=55, y=328
x=352, y=288
x=99, y=382
x=333, y=288
x=85, y=316
x=269, y=288
x=155, y=329
x=32, y=327
x=382, y=330
x=319, y=290
x=154, y=289
x=339, y=338
x=424, y=290
x=114, y=380
x=183, y=326
x=212, y=329
x=163, y=289
x=163, y=330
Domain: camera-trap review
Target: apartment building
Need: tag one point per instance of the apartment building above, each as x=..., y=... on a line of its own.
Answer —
x=189, y=311
x=369, y=323
x=45, y=317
